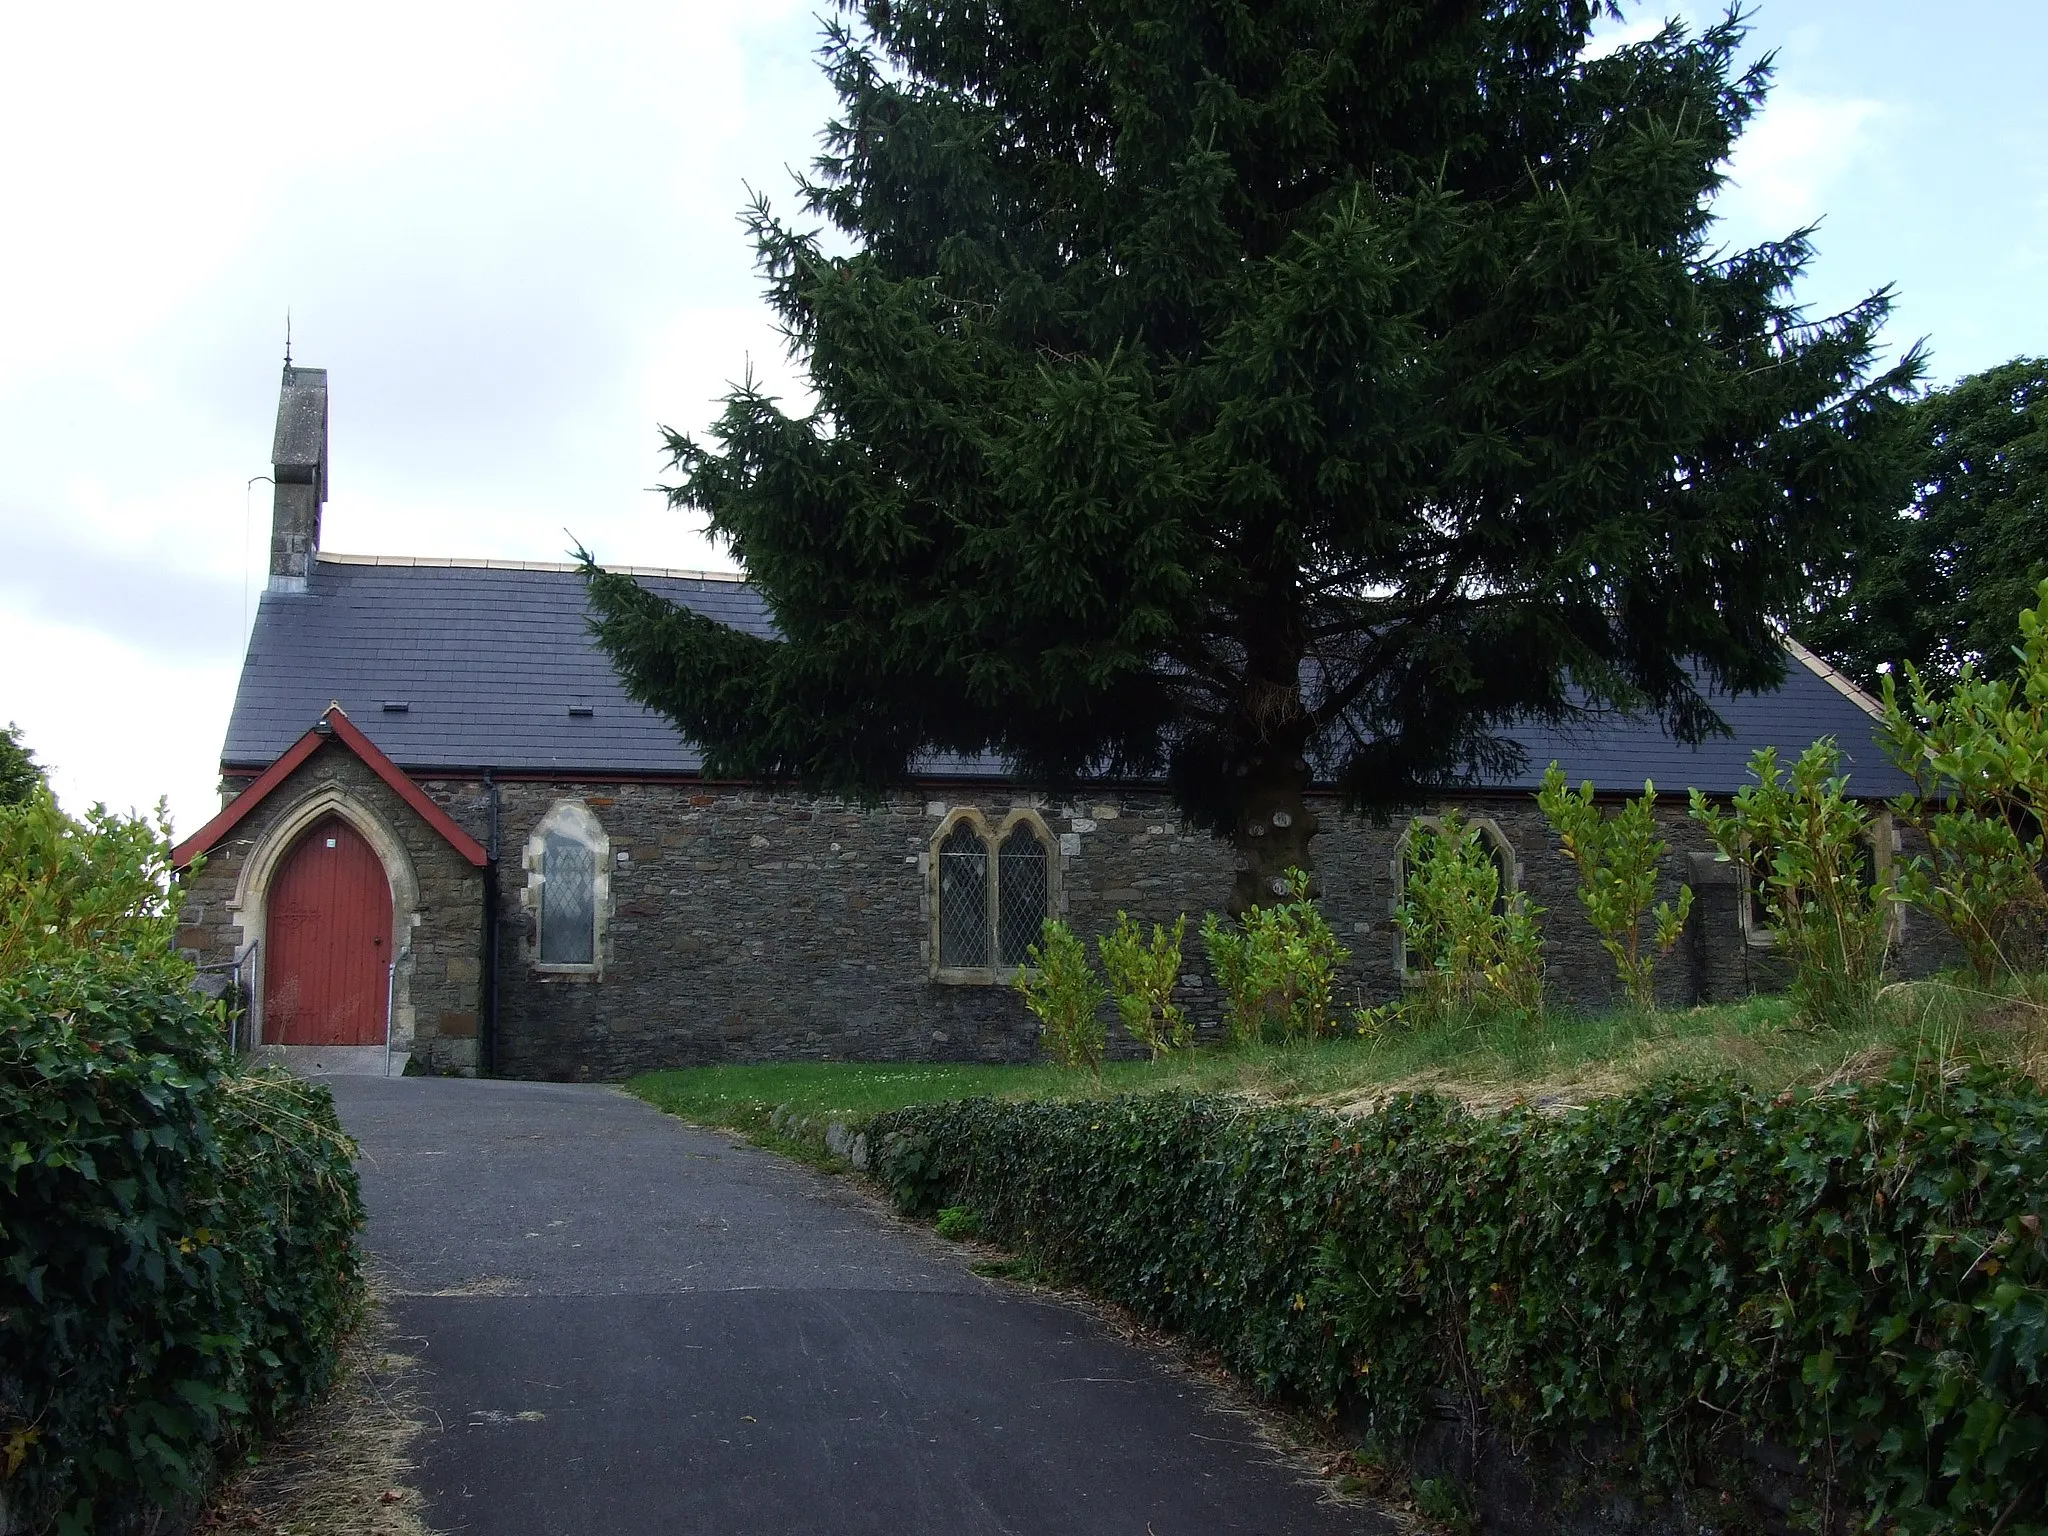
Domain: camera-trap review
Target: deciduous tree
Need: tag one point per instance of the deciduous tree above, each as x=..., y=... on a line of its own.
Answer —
x=1940, y=583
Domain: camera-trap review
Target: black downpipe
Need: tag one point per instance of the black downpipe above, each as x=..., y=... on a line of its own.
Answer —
x=487, y=1053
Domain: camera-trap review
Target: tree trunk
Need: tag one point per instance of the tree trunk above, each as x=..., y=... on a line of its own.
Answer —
x=1274, y=825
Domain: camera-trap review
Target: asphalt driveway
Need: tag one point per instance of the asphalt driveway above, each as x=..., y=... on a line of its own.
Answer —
x=628, y=1325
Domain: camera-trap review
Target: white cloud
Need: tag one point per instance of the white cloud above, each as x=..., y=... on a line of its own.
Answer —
x=1798, y=151
x=115, y=722
x=1609, y=35
x=508, y=231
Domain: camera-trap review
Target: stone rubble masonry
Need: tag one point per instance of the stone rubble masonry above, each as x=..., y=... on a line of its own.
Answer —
x=746, y=925
x=436, y=993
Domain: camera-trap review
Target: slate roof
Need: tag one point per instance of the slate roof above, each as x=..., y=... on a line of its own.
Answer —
x=489, y=658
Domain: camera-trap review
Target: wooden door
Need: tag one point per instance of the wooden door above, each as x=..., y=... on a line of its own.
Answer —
x=328, y=942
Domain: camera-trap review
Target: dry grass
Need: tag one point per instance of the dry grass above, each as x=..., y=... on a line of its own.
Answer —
x=342, y=1467
x=1567, y=1059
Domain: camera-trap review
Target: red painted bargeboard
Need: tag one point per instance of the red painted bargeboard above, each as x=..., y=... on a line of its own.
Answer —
x=328, y=942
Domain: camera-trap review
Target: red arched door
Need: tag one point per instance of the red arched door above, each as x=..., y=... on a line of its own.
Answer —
x=328, y=942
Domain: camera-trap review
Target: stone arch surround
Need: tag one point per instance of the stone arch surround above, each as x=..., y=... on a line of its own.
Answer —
x=250, y=903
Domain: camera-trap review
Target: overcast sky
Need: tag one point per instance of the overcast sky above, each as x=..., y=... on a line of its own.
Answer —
x=509, y=233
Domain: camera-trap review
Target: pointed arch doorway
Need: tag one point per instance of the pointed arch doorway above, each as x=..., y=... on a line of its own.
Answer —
x=327, y=942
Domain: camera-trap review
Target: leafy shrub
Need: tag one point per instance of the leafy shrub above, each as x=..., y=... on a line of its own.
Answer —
x=1617, y=858
x=1061, y=989
x=20, y=776
x=177, y=1242
x=1809, y=845
x=1471, y=955
x=1978, y=758
x=1141, y=982
x=1859, y=1276
x=100, y=883
x=1237, y=977
x=1278, y=971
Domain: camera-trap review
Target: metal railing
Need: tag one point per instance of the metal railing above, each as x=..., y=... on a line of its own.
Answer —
x=241, y=974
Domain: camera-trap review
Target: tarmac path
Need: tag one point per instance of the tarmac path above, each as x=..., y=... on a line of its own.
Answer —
x=628, y=1325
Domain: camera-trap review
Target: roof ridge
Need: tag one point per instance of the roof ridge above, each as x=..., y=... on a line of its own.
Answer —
x=460, y=562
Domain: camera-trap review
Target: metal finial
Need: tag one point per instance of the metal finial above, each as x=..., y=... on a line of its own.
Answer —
x=287, y=338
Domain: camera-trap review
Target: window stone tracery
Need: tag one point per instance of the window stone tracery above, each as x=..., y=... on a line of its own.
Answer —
x=991, y=890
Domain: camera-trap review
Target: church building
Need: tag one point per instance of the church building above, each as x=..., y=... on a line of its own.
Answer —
x=448, y=838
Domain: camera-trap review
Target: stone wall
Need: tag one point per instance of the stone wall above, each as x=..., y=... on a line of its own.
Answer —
x=437, y=989
x=748, y=926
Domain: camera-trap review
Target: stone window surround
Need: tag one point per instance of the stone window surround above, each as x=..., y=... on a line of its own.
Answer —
x=987, y=975
x=1495, y=836
x=570, y=817
x=1884, y=839
x=250, y=903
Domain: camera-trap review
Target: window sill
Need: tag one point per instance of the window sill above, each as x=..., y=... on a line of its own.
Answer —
x=977, y=976
x=567, y=972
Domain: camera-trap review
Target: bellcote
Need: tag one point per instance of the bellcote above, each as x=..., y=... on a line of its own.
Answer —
x=298, y=458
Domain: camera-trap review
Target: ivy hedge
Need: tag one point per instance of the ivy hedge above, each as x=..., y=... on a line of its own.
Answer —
x=1662, y=1281
x=178, y=1250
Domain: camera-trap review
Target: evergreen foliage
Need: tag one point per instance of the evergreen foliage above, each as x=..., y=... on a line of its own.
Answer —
x=1978, y=758
x=20, y=775
x=1672, y=1288
x=1938, y=584
x=1277, y=968
x=178, y=1250
x=1246, y=393
x=1808, y=846
x=1062, y=991
x=1142, y=977
x=1617, y=858
x=70, y=885
x=1473, y=951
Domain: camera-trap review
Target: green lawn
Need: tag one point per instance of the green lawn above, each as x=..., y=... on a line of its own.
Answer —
x=1569, y=1059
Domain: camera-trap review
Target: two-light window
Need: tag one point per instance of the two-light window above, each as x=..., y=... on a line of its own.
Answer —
x=1499, y=852
x=1870, y=866
x=991, y=894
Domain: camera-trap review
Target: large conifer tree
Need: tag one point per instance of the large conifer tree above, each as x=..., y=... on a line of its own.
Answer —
x=1256, y=394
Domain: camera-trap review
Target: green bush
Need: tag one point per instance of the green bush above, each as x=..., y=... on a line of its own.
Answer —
x=1278, y=969
x=1808, y=844
x=1657, y=1282
x=1472, y=957
x=1061, y=989
x=20, y=777
x=1978, y=758
x=177, y=1243
x=1617, y=859
x=101, y=883
x=1141, y=982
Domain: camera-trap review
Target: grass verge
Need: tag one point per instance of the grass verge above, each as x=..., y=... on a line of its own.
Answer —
x=1569, y=1059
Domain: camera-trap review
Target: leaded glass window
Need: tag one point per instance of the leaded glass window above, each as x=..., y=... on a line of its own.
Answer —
x=568, y=902
x=1021, y=891
x=963, y=899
